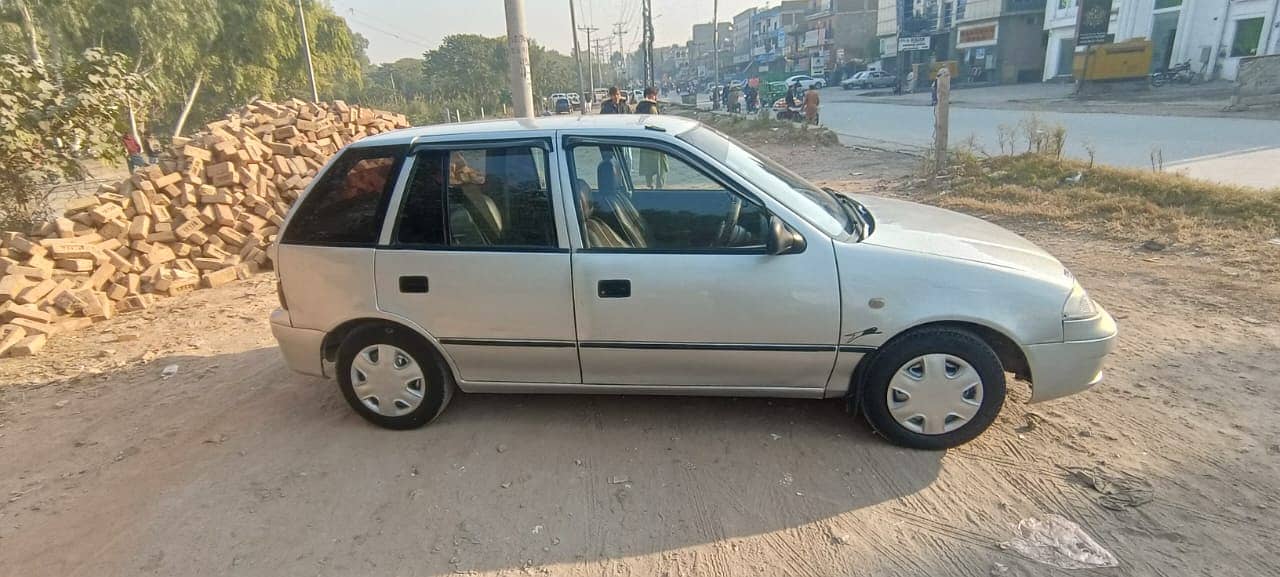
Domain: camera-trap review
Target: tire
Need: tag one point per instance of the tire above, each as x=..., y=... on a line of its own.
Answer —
x=909, y=355
x=436, y=387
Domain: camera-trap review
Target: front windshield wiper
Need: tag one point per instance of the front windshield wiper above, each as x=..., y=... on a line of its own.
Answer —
x=856, y=211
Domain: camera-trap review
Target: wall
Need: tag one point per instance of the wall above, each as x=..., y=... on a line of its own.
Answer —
x=1258, y=81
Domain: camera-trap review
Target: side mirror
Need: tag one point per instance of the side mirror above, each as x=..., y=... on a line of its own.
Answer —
x=782, y=238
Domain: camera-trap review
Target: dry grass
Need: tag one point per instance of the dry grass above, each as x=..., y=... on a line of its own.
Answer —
x=1122, y=204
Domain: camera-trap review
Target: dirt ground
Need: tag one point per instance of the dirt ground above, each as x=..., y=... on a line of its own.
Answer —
x=236, y=466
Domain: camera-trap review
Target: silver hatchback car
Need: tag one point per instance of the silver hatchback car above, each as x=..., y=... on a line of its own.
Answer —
x=654, y=255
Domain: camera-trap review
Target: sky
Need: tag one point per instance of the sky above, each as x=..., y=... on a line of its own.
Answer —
x=407, y=28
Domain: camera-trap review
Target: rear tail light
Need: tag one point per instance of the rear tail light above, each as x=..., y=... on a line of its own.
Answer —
x=284, y=304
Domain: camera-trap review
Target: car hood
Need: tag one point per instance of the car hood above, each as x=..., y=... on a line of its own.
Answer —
x=936, y=231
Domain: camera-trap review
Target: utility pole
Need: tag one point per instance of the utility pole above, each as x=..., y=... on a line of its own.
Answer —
x=577, y=54
x=306, y=49
x=518, y=59
x=715, y=38
x=622, y=51
x=591, y=71
x=647, y=7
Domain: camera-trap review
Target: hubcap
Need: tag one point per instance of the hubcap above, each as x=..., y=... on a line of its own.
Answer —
x=387, y=380
x=934, y=394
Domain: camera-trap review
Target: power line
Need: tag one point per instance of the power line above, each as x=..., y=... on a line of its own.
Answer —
x=422, y=43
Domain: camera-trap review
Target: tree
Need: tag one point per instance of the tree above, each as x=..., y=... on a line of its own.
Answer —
x=237, y=49
x=44, y=125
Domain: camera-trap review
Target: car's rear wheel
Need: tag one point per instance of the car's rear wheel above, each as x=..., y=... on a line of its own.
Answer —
x=392, y=377
x=933, y=388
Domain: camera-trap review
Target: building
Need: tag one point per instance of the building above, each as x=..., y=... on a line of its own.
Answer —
x=1000, y=41
x=1212, y=34
x=887, y=33
x=841, y=31
x=742, y=38
x=702, y=46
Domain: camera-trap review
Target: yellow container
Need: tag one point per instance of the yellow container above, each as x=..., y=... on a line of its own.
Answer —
x=1129, y=59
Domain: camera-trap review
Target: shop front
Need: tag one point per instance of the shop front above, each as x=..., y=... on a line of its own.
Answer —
x=976, y=44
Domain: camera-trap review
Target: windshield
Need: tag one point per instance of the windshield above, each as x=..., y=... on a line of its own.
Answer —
x=813, y=204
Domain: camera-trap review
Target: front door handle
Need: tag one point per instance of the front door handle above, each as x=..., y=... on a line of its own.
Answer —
x=413, y=284
x=614, y=289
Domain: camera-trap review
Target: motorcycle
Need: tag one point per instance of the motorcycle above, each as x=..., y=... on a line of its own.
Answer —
x=1180, y=72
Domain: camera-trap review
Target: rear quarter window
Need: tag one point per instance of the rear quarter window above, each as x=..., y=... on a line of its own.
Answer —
x=347, y=205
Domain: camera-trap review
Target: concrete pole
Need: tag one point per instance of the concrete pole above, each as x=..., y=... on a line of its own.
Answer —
x=577, y=55
x=941, y=120
x=306, y=49
x=518, y=60
x=591, y=70
x=715, y=38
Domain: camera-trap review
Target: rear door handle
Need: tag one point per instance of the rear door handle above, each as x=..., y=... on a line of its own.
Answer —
x=614, y=289
x=414, y=284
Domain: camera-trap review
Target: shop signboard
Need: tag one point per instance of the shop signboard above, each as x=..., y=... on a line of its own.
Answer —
x=909, y=43
x=1092, y=22
x=977, y=35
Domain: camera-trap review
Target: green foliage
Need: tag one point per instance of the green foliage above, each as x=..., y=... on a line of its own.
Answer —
x=242, y=48
x=467, y=73
x=43, y=126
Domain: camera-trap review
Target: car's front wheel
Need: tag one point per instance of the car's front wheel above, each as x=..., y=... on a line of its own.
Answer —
x=392, y=377
x=934, y=388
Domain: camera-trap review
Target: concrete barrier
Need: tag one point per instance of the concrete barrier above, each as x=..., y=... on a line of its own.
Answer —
x=1257, y=82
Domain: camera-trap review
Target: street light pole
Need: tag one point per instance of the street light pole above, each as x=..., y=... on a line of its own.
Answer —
x=306, y=49
x=518, y=60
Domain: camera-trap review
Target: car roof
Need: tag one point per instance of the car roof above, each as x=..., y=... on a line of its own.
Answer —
x=622, y=123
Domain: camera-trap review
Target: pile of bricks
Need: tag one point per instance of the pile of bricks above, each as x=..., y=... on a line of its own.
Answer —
x=200, y=218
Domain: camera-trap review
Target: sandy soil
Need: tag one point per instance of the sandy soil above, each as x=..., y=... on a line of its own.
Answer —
x=235, y=466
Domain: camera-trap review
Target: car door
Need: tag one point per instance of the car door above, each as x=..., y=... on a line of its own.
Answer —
x=672, y=283
x=476, y=254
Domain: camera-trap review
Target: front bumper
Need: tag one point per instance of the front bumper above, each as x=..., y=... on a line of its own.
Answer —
x=1061, y=369
x=300, y=347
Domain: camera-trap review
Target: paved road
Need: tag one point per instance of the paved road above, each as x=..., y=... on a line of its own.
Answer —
x=1119, y=139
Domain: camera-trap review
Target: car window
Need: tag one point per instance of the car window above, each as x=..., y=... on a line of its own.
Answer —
x=347, y=205
x=642, y=198
x=488, y=197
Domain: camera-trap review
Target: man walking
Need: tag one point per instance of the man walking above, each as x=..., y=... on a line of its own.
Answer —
x=615, y=104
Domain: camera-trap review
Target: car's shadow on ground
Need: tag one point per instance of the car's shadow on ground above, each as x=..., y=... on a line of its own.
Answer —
x=275, y=474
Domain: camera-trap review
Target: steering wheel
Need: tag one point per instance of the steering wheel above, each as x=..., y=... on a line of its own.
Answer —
x=730, y=221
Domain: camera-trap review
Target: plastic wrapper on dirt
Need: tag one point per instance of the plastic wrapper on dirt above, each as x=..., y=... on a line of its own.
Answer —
x=1053, y=540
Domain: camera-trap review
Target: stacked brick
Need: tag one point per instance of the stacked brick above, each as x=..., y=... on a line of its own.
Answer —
x=203, y=217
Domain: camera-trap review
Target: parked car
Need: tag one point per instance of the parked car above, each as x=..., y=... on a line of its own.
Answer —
x=562, y=105
x=807, y=82
x=541, y=256
x=869, y=79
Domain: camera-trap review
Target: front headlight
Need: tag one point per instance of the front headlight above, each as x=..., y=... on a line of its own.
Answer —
x=1078, y=306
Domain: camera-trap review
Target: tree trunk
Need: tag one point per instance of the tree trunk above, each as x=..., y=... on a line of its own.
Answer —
x=33, y=42
x=186, y=108
x=133, y=121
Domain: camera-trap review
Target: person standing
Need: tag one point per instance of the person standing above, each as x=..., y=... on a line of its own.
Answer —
x=133, y=152
x=615, y=104
x=650, y=103
x=652, y=163
x=811, y=103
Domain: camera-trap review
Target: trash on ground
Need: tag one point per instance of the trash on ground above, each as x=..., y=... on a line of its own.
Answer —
x=1117, y=491
x=618, y=480
x=1053, y=540
x=168, y=371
